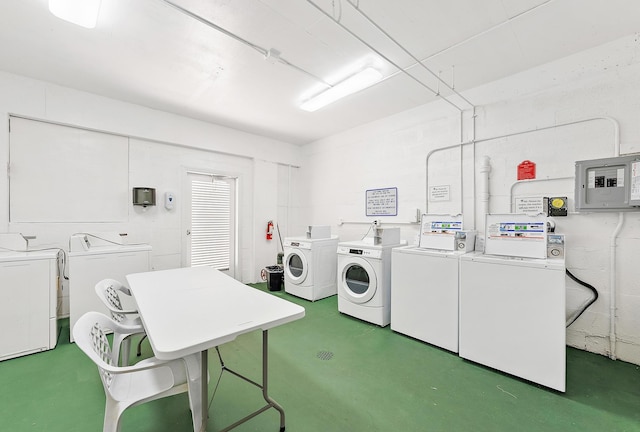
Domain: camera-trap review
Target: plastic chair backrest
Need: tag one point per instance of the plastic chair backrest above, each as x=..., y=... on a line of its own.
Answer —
x=102, y=348
x=107, y=290
x=147, y=380
x=111, y=295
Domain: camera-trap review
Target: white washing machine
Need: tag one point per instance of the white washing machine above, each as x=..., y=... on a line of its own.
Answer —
x=310, y=267
x=96, y=257
x=28, y=311
x=424, y=282
x=364, y=280
x=512, y=302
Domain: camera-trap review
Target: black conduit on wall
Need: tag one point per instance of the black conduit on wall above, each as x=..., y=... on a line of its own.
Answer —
x=595, y=295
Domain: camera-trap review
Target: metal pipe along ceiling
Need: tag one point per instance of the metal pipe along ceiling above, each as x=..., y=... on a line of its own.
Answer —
x=368, y=45
x=406, y=51
x=265, y=52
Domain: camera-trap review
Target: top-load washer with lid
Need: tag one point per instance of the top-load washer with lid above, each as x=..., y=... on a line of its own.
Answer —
x=93, y=257
x=512, y=301
x=28, y=312
x=424, y=282
x=310, y=264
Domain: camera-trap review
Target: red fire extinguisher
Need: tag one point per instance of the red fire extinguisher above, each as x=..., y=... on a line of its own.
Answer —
x=270, y=230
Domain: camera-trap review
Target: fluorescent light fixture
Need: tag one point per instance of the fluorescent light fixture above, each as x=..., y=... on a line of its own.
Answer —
x=81, y=12
x=354, y=83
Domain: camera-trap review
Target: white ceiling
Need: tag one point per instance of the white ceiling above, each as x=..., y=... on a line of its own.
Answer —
x=150, y=53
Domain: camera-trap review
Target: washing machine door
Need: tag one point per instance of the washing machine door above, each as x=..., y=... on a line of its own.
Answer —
x=296, y=266
x=358, y=280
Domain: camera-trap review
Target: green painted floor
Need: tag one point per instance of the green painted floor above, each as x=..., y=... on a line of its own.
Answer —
x=333, y=373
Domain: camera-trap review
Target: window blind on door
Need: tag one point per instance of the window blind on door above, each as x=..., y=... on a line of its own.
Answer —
x=210, y=223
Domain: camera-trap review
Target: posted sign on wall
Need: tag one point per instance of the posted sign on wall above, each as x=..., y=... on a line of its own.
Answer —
x=382, y=202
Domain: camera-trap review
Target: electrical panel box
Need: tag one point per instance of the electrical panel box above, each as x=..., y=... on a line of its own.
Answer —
x=611, y=184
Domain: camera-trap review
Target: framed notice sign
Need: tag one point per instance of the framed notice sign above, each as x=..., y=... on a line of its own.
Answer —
x=382, y=202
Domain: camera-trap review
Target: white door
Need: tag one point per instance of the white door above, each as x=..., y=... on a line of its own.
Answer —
x=210, y=222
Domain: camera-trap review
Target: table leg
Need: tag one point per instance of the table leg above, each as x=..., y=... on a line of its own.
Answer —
x=204, y=390
x=264, y=386
x=265, y=379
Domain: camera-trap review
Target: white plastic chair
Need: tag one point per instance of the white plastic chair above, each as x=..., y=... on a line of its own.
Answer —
x=108, y=291
x=147, y=380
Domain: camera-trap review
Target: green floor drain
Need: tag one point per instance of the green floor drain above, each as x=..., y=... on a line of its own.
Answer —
x=325, y=355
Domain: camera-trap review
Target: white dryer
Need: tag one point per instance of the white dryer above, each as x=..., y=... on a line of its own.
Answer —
x=364, y=281
x=310, y=267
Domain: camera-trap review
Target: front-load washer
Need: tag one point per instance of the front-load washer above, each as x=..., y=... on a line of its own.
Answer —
x=364, y=281
x=310, y=267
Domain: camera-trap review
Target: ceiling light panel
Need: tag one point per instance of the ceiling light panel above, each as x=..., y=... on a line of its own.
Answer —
x=354, y=83
x=80, y=12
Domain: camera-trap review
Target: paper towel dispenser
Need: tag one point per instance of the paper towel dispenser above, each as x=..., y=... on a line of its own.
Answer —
x=144, y=196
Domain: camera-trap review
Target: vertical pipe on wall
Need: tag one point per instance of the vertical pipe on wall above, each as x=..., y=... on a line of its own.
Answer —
x=485, y=169
x=460, y=163
x=612, y=287
x=473, y=167
x=613, y=261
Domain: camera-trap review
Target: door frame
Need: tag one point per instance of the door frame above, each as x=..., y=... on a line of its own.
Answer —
x=185, y=224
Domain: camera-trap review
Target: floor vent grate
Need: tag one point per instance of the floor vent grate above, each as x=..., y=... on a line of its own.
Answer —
x=325, y=355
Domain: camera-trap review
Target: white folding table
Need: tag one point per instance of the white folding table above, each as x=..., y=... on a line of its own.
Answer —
x=189, y=310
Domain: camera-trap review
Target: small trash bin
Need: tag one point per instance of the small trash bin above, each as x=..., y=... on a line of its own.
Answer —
x=275, y=277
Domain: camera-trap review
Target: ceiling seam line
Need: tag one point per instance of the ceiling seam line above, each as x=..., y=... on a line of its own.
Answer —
x=226, y=32
x=418, y=62
x=383, y=56
x=490, y=29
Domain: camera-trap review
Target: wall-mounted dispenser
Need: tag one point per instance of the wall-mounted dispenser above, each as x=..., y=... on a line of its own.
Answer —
x=169, y=200
x=144, y=196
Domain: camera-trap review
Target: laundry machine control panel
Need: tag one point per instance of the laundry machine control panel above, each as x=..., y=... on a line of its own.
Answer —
x=366, y=253
x=465, y=241
x=555, y=246
x=297, y=244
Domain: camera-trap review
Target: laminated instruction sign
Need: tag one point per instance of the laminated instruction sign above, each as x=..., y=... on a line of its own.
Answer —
x=382, y=202
x=529, y=205
x=439, y=193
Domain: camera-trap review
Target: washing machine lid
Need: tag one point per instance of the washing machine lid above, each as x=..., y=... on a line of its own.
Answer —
x=358, y=280
x=416, y=250
x=8, y=256
x=296, y=266
x=551, y=264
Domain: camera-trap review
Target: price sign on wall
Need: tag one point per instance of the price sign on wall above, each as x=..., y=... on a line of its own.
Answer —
x=382, y=202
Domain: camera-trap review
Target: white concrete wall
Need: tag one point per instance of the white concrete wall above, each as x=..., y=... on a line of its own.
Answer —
x=603, y=82
x=162, y=146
